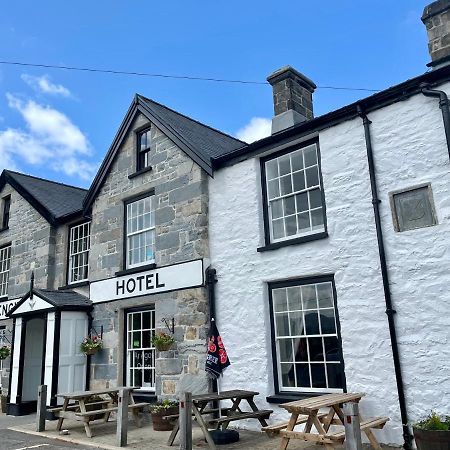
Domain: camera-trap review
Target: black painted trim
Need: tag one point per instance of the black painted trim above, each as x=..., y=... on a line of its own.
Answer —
x=300, y=282
x=44, y=348
x=140, y=172
x=21, y=361
x=288, y=397
x=4, y=229
x=55, y=367
x=137, y=140
x=13, y=336
x=74, y=285
x=295, y=241
x=135, y=270
x=265, y=203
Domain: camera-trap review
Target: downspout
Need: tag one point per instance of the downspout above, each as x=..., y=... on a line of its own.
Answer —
x=407, y=437
x=444, y=105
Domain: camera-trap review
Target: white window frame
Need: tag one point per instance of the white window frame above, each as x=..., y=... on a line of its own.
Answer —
x=307, y=190
x=130, y=349
x=292, y=315
x=77, y=234
x=146, y=231
x=5, y=264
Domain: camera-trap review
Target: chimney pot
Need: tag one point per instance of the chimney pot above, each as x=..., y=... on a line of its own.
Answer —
x=436, y=17
x=292, y=98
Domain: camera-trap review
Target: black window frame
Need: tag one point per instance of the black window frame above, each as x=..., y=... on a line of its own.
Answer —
x=142, y=153
x=6, y=203
x=268, y=244
x=299, y=282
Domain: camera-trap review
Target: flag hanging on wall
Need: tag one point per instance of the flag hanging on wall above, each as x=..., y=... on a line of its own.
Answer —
x=216, y=359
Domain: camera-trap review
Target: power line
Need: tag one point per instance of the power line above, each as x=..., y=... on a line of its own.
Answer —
x=159, y=75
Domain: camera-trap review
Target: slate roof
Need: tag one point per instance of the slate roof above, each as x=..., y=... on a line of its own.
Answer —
x=53, y=200
x=64, y=299
x=209, y=141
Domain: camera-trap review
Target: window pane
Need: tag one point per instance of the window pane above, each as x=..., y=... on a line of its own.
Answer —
x=285, y=346
x=272, y=169
x=301, y=349
x=284, y=164
x=287, y=375
x=331, y=349
x=277, y=209
x=296, y=320
x=297, y=161
x=289, y=206
x=327, y=321
x=315, y=198
x=312, y=322
x=315, y=349
x=299, y=181
x=291, y=225
x=309, y=296
x=285, y=185
x=279, y=299
x=282, y=324
x=278, y=228
x=312, y=177
x=325, y=295
x=302, y=202
x=334, y=373
x=317, y=218
x=294, y=298
x=303, y=378
x=310, y=155
x=318, y=376
x=303, y=222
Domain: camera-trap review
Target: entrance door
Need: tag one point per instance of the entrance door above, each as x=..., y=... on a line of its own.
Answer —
x=33, y=358
x=72, y=363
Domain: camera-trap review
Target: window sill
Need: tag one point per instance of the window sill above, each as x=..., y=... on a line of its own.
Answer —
x=4, y=229
x=139, y=172
x=294, y=241
x=135, y=270
x=291, y=397
x=74, y=285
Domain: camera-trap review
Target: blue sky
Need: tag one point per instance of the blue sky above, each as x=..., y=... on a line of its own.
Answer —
x=59, y=124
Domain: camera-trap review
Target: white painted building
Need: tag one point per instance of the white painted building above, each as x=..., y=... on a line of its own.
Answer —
x=280, y=274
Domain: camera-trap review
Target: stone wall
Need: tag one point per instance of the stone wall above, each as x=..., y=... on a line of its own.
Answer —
x=410, y=149
x=181, y=192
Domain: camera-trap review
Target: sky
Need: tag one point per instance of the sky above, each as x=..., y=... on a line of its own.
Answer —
x=59, y=124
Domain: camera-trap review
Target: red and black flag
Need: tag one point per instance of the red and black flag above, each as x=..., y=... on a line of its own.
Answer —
x=216, y=359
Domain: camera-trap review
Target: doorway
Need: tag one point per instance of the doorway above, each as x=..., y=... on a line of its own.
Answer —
x=33, y=358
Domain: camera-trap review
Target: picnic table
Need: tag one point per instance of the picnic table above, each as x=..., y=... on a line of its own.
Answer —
x=307, y=412
x=233, y=413
x=86, y=407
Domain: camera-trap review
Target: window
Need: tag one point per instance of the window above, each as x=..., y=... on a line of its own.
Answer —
x=6, y=207
x=143, y=151
x=5, y=261
x=140, y=351
x=140, y=230
x=294, y=198
x=306, y=336
x=79, y=245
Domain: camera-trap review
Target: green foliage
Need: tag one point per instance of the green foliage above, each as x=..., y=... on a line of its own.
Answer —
x=5, y=351
x=90, y=343
x=162, y=407
x=433, y=422
x=162, y=339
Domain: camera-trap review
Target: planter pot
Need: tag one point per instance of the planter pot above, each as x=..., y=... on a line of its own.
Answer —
x=432, y=440
x=160, y=424
x=91, y=351
x=163, y=347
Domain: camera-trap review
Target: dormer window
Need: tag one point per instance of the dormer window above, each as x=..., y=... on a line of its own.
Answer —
x=5, y=213
x=143, y=150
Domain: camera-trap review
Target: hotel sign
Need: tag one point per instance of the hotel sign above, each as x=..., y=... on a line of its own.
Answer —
x=163, y=279
x=5, y=307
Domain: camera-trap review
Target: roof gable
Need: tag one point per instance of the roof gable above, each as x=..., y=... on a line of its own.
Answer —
x=200, y=142
x=54, y=201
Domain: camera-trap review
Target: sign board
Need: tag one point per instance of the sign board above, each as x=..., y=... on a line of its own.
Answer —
x=5, y=307
x=163, y=279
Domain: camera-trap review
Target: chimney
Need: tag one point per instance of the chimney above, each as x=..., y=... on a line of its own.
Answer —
x=436, y=18
x=292, y=98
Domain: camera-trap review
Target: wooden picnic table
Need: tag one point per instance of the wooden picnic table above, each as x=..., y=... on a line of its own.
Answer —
x=307, y=412
x=86, y=407
x=199, y=410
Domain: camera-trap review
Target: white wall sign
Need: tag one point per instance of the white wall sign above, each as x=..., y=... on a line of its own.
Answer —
x=5, y=307
x=169, y=278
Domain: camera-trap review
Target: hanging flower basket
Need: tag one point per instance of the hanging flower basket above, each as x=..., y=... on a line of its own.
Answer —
x=163, y=341
x=5, y=351
x=91, y=345
x=159, y=411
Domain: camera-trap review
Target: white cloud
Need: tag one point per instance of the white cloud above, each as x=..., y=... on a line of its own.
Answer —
x=45, y=86
x=257, y=128
x=49, y=138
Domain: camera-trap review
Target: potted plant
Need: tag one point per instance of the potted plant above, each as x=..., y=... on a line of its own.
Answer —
x=432, y=433
x=91, y=345
x=159, y=411
x=5, y=351
x=163, y=341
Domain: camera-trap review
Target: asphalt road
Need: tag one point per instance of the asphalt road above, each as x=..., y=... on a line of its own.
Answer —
x=13, y=440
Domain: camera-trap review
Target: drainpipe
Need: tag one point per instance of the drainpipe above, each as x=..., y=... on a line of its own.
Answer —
x=390, y=312
x=444, y=105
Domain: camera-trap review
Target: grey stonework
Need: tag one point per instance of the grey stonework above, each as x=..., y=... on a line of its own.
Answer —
x=181, y=219
x=436, y=18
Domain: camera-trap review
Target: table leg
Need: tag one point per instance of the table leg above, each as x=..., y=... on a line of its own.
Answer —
x=372, y=439
x=204, y=428
x=85, y=418
x=234, y=408
x=328, y=419
x=339, y=412
x=253, y=406
x=174, y=433
x=61, y=419
x=292, y=422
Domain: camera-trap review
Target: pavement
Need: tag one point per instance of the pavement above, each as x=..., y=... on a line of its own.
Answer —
x=18, y=433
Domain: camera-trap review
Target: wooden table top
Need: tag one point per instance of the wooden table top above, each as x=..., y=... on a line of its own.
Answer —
x=85, y=394
x=315, y=403
x=225, y=395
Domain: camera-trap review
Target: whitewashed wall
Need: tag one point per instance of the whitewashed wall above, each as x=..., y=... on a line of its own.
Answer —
x=410, y=148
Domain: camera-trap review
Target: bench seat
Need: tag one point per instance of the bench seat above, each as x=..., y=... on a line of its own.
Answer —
x=110, y=409
x=377, y=422
x=264, y=414
x=272, y=430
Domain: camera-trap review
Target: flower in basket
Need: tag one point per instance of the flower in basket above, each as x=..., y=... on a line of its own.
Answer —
x=163, y=341
x=90, y=345
x=159, y=411
x=5, y=351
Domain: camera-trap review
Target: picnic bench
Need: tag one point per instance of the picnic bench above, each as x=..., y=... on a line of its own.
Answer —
x=226, y=415
x=307, y=412
x=87, y=410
